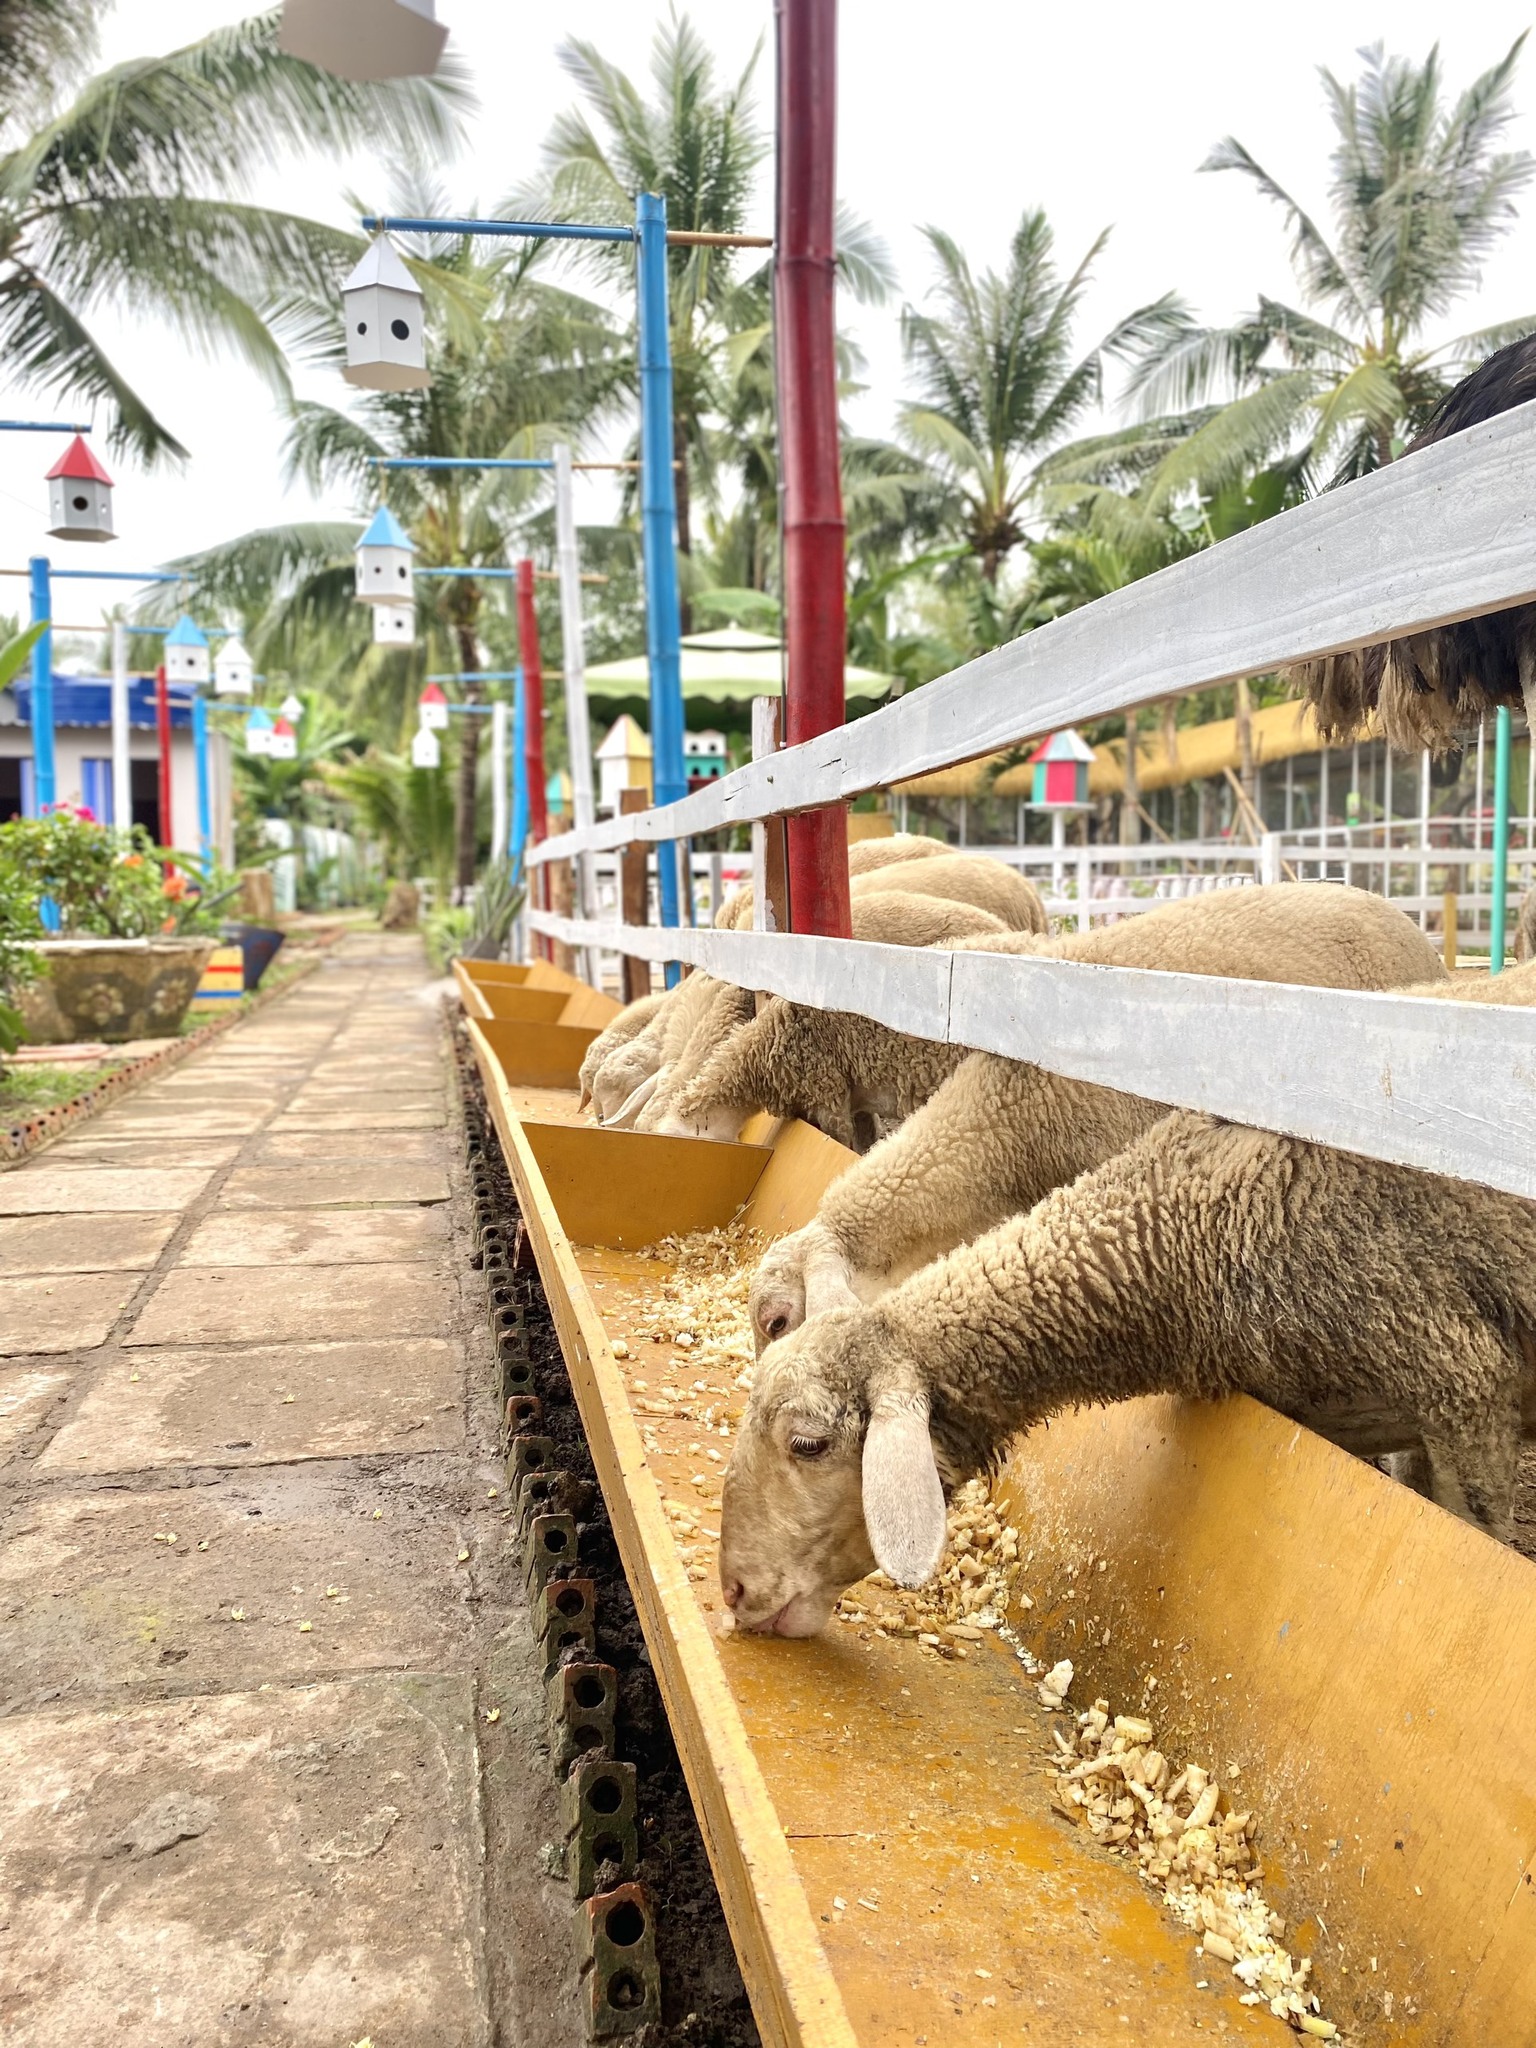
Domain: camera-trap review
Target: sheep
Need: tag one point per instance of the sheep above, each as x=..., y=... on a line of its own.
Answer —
x=628, y=1024
x=627, y=1078
x=867, y=857
x=1205, y=1259
x=968, y=878
x=999, y=1134
x=895, y=918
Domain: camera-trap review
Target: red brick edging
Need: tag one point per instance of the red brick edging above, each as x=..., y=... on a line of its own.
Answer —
x=19, y=1140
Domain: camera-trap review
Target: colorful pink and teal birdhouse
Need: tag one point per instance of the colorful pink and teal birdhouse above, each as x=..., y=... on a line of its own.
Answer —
x=1061, y=765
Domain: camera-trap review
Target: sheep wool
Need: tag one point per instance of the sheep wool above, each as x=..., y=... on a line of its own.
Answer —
x=628, y=1024
x=966, y=878
x=1206, y=1259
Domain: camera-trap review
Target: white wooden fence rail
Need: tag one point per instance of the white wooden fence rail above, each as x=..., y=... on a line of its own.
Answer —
x=1445, y=535
x=1449, y=1087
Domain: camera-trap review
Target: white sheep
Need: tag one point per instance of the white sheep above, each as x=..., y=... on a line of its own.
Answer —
x=1205, y=1259
x=999, y=1134
x=895, y=918
x=628, y=1024
x=876, y=865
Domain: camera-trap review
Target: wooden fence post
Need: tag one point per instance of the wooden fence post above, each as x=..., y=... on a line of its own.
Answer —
x=634, y=906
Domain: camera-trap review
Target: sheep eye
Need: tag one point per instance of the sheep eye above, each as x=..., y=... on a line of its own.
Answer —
x=809, y=1446
x=777, y=1325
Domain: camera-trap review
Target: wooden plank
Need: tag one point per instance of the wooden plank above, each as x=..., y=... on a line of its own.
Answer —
x=795, y=1998
x=1447, y=535
x=522, y=1005
x=539, y=1055
x=1449, y=1088
x=671, y=1185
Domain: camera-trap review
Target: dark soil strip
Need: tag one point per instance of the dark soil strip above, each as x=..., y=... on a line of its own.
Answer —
x=704, y=2003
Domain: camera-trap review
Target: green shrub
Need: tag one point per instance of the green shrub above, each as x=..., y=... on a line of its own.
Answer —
x=103, y=884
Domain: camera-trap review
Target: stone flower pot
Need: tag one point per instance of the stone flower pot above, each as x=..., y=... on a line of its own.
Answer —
x=112, y=989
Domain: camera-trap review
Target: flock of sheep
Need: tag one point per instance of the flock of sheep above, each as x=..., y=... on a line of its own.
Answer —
x=1012, y=1243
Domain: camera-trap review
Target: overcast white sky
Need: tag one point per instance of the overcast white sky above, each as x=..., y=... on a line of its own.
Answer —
x=958, y=115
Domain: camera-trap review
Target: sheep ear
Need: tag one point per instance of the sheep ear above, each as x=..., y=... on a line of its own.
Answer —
x=623, y=1118
x=903, y=1499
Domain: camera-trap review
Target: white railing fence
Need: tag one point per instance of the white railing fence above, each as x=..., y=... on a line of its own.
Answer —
x=1447, y=534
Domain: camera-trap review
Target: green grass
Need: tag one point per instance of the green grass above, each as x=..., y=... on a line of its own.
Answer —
x=24, y=1091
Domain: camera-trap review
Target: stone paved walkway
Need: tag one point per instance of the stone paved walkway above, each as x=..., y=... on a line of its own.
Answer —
x=253, y=1619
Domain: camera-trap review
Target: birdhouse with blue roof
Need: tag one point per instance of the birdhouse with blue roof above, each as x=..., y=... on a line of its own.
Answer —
x=79, y=496
x=384, y=561
x=1061, y=765
x=385, y=321
x=234, y=673
x=258, y=732
x=394, y=625
x=186, y=652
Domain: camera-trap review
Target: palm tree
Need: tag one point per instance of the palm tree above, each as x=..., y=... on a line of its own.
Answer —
x=126, y=190
x=999, y=382
x=700, y=145
x=1421, y=193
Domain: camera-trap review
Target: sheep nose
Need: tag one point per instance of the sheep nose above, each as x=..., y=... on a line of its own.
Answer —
x=733, y=1591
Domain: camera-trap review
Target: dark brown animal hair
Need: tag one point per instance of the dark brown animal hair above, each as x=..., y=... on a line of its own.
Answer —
x=1426, y=688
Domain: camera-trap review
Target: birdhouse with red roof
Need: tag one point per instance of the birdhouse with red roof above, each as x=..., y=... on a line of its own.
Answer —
x=1061, y=765
x=79, y=496
x=433, y=706
x=284, y=743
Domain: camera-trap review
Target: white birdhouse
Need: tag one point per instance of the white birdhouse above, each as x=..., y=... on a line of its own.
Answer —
x=394, y=625
x=364, y=39
x=284, y=743
x=384, y=561
x=79, y=496
x=433, y=706
x=186, y=653
x=292, y=707
x=385, y=321
x=425, y=751
x=258, y=732
x=234, y=673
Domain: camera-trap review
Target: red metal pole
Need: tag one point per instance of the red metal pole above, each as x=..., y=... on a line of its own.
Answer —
x=163, y=732
x=805, y=341
x=533, y=729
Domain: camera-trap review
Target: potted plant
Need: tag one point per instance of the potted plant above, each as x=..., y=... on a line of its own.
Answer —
x=122, y=929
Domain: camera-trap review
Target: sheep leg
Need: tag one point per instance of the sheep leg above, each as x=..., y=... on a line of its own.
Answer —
x=1472, y=1466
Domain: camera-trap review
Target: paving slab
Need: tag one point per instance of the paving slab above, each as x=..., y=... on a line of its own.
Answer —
x=28, y=1394
x=428, y=1117
x=148, y=1410
x=169, y=1120
x=333, y=1185
x=292, y=1869
x=44, y=1190
x=92, y=1148
x=47, y=1312
x=403, y=1077
x=276, y=1146
x=83, y=1244
x=312, y=1237
x=96, y=1596
x=249, y=1304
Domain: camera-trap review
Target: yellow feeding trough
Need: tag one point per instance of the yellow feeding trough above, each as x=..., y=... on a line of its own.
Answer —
x=889, y=1815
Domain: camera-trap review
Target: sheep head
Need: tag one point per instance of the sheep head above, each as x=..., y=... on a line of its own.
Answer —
x=625, y=1068
x=834, y=1472
x=799, y=1276
x=721, y=1121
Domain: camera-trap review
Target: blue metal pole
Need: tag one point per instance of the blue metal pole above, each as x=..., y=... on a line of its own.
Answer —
x=541, y=230
x=1500, y=906
x=518, y=833
x=41, y=427
x=658, y=504
x=461, y=462
x=200, y=752
x=44, y=779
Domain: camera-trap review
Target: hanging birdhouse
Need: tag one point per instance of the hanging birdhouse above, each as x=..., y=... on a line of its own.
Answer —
x=1061, y=765
x=364, y=39
x=186, y=653
x=292, y=707
x=433, y=706
x=394, y=625
x=234, y=673
x=384, y=561
x=385, y=320
x=79, y=496
x=258, y=732
x=425, y=751
x=284, y=742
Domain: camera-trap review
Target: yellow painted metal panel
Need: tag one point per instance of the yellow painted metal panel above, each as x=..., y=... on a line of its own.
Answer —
x=629, y=1188
x=538, y=1055
x=590, y=1006
x=523, y=1005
